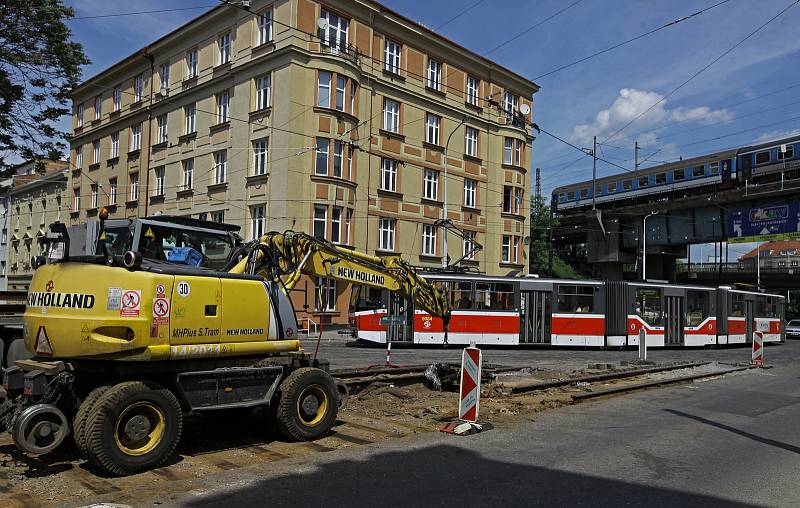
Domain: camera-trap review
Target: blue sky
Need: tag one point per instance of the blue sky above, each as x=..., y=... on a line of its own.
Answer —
x=595, y=97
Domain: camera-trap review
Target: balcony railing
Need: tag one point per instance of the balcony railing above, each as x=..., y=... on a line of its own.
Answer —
x=348, y=51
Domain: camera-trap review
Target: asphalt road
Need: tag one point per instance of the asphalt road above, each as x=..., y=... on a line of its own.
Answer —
x=732, y=441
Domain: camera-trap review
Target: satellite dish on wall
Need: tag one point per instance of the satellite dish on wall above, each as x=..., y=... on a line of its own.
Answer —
x=322, y=23
x=524, y=109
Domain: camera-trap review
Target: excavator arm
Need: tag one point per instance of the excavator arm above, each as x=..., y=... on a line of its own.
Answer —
x=283, y=257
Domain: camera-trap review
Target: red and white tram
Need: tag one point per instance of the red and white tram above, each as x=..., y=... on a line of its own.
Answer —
x=507, y=311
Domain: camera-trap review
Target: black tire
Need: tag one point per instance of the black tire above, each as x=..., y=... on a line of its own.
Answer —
x=82, y=415
x=136, y=406
x=296, y=415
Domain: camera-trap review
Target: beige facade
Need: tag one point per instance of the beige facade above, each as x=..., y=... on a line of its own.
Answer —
x=266, y=120
x=37, y=198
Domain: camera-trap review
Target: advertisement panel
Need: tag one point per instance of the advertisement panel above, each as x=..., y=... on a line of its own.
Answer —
x=763, y=223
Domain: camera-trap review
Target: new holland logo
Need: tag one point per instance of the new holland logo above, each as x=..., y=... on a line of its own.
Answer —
x=63, y=300
x=357, y=275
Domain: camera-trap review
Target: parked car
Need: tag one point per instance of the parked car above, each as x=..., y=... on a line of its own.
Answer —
x=793, y=329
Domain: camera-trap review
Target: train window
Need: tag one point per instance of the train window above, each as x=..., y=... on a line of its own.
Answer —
x=461, y=295
x=737, y=305
x=788, y=154
x=627, y=184
x=562, y=197
x=678, y=175
x=699, y=171
x=570, y=195
x=644, y=182
x=578, y=299
x=762, y=157
x=612, y=187
x=494, y=296
x=661, y=178
x=584, y=193
x=648, y=306
x=697, y=307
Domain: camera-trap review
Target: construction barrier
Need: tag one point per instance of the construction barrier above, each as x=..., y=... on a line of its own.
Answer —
x=470, y=392
x=758, y=349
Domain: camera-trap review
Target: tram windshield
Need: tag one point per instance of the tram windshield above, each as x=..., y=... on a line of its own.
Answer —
x=697, y=307
x=648, y=306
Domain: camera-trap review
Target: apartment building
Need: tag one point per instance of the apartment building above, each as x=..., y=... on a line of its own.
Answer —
x=342, y=119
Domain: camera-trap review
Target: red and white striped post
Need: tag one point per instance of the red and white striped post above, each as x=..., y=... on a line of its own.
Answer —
x=470, y=392
x=758, y=349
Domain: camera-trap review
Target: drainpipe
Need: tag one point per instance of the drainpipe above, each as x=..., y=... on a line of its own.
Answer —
x=146, y=52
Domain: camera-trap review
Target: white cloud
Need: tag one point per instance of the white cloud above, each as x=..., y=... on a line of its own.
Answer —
x=776, y=134
x=631, y=103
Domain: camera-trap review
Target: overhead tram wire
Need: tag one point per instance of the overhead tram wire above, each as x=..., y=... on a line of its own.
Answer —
x=529, y=29
x=159, y=11
x=439, y=27
x=628, y=41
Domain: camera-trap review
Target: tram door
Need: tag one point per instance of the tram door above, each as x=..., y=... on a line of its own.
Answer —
x=749, y=320
x=400, y=319
x=673, y=316
x=536, y=313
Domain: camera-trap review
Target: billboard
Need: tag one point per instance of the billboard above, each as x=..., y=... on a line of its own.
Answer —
x=765, y=222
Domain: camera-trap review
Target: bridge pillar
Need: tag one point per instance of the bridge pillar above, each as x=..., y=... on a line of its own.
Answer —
x=662, y=267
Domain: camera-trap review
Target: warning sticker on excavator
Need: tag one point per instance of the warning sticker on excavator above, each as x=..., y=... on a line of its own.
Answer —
x=149, y=233
x=160, y=311
x=114, y=299
x=131, y=303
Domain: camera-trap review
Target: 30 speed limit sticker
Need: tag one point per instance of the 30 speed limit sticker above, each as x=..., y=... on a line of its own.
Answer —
x=160, y=311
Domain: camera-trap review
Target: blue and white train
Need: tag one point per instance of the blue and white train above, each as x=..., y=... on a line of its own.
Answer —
x=739, y=167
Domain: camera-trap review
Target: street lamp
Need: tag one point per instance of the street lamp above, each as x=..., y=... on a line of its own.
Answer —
x=644, y=244
x=444, y=208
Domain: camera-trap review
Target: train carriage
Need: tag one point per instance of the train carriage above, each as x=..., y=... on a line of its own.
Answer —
x=508, y=311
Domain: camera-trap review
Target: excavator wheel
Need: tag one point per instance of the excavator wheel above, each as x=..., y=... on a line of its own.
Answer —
x=132, y=427
x=308, y=404
x=79, y=424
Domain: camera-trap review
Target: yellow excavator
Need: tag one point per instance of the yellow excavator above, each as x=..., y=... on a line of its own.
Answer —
x=171, y=315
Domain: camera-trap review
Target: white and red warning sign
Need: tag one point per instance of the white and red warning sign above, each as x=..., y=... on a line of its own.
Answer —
x=160, y=311
x=758, y=349
x=42, y=345
x=131, y=305
x=470, y=393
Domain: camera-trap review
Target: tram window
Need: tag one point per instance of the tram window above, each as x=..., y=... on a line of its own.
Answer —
x=612, y=187
x=661, y=178
x=584, y=193
x=644, y=182
x=678, y=175
x=570, y=195
x=788, y=154
x=737, y=305
x=761, y=306
x=648, y=305
x=576, y=299
x=699, y=171
x=771, y=310
x=367, y=298
x=762, y=157
x=627, y=184
x=494, y=296
x=697, y=307
x=461, y=295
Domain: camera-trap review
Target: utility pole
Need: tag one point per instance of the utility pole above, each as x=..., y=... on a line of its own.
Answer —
x=594, y=170
x=538, y=183
x=636, y=156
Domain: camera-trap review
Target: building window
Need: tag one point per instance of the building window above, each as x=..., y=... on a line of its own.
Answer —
x=510, y=104
x=326, y=290
x=323, y=148
x=473, y=85
x=161, y=120
x=508, y=197
x=428, y=240
x=432, y=123
x=338, y=155
x=191, y=63
x=518, y=193
x=391, y=56
x=336, y=224
x=508, y=254
x=391, y=115
x=96, y=151
x=164, y=74
x=117, y=98
x=112, y=191
x=263, y=91
x=79, y=116
x=190, y=113
x=468, y=246
x=434, y=74
x=134, y=187
x=114, y=153
x=138, y=88
x=218, y=216
x=320, y=221
x=76, y=202
x=470, y=190
x=258, y=221
x=188, y=174
x=79, y=157
x=93, y=188
x=335, y=32
x=4, y=238
x=512, y=152
x=136, y=137
x=223, y=103
x=160, y=174
x=430, y=187
x=98, y=107
x=389, y=175
x=265, y=27
x=260, y=147
x=220, y=166
x=471, y=141
x=386, y=233
x=324, y=89
x=224, y=48
x=341, y=86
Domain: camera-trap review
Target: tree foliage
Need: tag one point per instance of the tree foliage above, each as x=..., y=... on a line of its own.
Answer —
x=540, y=243
x=39, y=66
